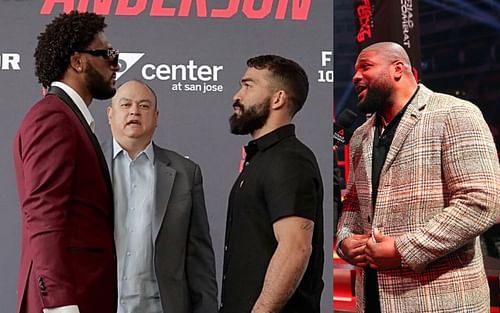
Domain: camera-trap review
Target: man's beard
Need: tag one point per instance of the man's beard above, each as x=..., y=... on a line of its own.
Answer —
x=250, y=119
x=376, y=99
x=97, y=85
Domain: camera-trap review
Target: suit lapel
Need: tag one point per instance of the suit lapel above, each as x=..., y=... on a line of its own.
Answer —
x=107, y=150
x=165, y=176
x=367, y=145
x=104, y=168
x=408, y=122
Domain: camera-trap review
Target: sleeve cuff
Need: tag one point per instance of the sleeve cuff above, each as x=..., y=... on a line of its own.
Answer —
x=63, y=309
x=409, y=259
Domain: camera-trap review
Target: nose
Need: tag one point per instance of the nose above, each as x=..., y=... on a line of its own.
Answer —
x=237, y=96
x=356, y=77
x=134, y=110
x=115, y=66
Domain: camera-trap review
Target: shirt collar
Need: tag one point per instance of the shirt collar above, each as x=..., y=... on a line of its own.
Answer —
x=148, y=151
x=80, y=104
x=269, y=139
x=397, y=118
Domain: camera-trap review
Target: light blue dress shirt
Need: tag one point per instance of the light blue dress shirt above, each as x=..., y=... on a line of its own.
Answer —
x=134, y=194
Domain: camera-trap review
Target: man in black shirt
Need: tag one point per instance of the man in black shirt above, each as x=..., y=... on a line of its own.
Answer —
x=273, y=259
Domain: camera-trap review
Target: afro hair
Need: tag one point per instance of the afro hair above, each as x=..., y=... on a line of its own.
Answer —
x=66, y=34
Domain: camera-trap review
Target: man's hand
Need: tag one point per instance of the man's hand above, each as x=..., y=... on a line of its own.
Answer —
x=381, y=252
x=353, y=249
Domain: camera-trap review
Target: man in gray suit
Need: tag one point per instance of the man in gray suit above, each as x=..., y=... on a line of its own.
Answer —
x=164, y=251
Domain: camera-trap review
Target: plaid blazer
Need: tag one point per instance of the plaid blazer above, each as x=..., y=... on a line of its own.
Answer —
x=439, y=190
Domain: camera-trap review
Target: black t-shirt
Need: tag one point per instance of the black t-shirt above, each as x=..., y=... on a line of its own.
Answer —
x=280, y=178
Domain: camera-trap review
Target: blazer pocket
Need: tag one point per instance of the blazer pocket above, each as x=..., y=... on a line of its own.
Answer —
x=85, y=250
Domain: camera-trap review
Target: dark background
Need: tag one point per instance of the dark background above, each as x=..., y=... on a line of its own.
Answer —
x=460, y=53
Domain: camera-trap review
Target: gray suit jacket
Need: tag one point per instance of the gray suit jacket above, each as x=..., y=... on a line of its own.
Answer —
x=183, y=255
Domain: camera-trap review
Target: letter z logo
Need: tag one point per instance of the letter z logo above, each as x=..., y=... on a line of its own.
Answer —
x=126, y=61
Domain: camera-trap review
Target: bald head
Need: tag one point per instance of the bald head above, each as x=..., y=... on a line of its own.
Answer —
x=132, y=84
x=390, y=52
x=133, y=116
x=383, y=78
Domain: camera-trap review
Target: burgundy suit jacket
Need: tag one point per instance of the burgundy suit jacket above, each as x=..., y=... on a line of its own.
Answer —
x=67, y=252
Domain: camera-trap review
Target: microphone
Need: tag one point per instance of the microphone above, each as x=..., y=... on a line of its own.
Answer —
x=341, y=132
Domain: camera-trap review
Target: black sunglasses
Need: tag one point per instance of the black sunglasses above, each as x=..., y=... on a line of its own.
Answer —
x=110, y=54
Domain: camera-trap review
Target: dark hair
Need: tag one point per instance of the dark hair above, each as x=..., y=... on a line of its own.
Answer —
x=67, y=33
x=289, y=73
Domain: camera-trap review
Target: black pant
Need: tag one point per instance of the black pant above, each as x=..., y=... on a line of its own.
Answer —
x=372, y=300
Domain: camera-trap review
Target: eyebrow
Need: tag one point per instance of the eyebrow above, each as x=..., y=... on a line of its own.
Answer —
x=365, y=60
x=245, y=80
x=130, y=100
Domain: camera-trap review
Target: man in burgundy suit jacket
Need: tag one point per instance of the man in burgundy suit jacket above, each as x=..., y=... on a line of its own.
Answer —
x=67, y=253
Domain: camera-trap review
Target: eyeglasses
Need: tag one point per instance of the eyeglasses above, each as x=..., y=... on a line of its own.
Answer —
x=110, y=54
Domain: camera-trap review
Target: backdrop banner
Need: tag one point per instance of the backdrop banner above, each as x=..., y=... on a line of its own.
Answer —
x=389, y=20
x=193, y=54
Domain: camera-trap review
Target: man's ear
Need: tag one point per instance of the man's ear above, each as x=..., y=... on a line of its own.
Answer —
x=76, y=62
x=398, y=68
x=108, y=112
x=279, y=99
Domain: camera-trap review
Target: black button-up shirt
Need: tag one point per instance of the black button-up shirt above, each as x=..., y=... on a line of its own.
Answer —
x=281, y=178
x=382, y=141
